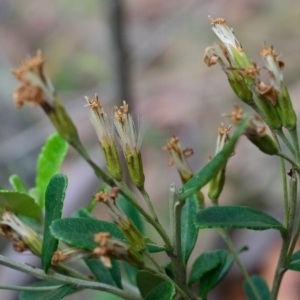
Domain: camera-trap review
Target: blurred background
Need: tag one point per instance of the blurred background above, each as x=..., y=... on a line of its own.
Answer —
x=149, y=53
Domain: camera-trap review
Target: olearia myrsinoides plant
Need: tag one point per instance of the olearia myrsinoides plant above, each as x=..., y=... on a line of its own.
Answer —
x=32, y=219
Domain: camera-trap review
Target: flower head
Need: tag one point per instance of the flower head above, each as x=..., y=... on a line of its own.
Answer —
x=179, y=158
x=105, y=132
x=69, y=254
x=35, y=87
x=108, y=200
x=110, y=248
x=130, y=136
x=22, y=236
x=131, y=140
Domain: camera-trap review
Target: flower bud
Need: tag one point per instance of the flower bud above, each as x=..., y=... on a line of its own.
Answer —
x=216, y=185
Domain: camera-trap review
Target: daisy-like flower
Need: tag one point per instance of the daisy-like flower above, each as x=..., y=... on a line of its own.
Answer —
x=36, y=88
x=110, y=248
x=108, y=200
x=131, y=140
x=22, y=236
x=105, y=132
x=178, y=157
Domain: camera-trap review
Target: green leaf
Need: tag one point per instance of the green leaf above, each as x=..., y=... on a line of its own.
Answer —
x=131, y=272
x=20, y=203
x=131, y=212
x=294, y=263
x=236, y=217
x=211, y=169
x=79, y=232
x=17, y=183
x=49, y=162
x=115, y=273
x=189, y=232
x=164, y=291
x=36, y=194
x=55, y=195
x=261, y=287
x=206, y=262
x=101, y=272
x=82, y=213
x=146, y=282
x=154, y=248
x=56, y=294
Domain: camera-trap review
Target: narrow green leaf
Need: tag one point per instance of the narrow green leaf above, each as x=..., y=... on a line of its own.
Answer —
x=189, y=231
x=79, y=232
x=56, y=294
x=236, y=217
x=17, y=183
x=206, y=262
x=49, y=162
x=19, y=203
x=294, y=263
x=261, y=287
x=164, y=291
x=146, y=282
x=154, y=248
x=55, y=195
x=212, y=168
x=131, y=212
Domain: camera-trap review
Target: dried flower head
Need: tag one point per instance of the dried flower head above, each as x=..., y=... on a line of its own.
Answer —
x=69, y=254
x=35, y=87
x=108, y=200
x=130, y=136
x=178, y=157
x=22, y=236
x=110, y=248
x=102, y=124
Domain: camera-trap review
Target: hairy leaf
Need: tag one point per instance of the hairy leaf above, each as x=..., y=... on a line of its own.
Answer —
x=262, y=289
x=55, y=195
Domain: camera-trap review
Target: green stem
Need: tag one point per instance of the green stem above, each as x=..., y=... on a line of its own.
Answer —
x=283, y=258
x=149, y=204
x=76, y=144
x=284, y=183
x=65, y=270
x=29, y=288
x=52, y=276
x=227, y=240
x=293, y=163
x=132, y=199
x=295, y=140
x=281, y=134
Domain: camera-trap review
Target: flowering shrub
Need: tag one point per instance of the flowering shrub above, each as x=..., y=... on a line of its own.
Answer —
x=32, y=220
